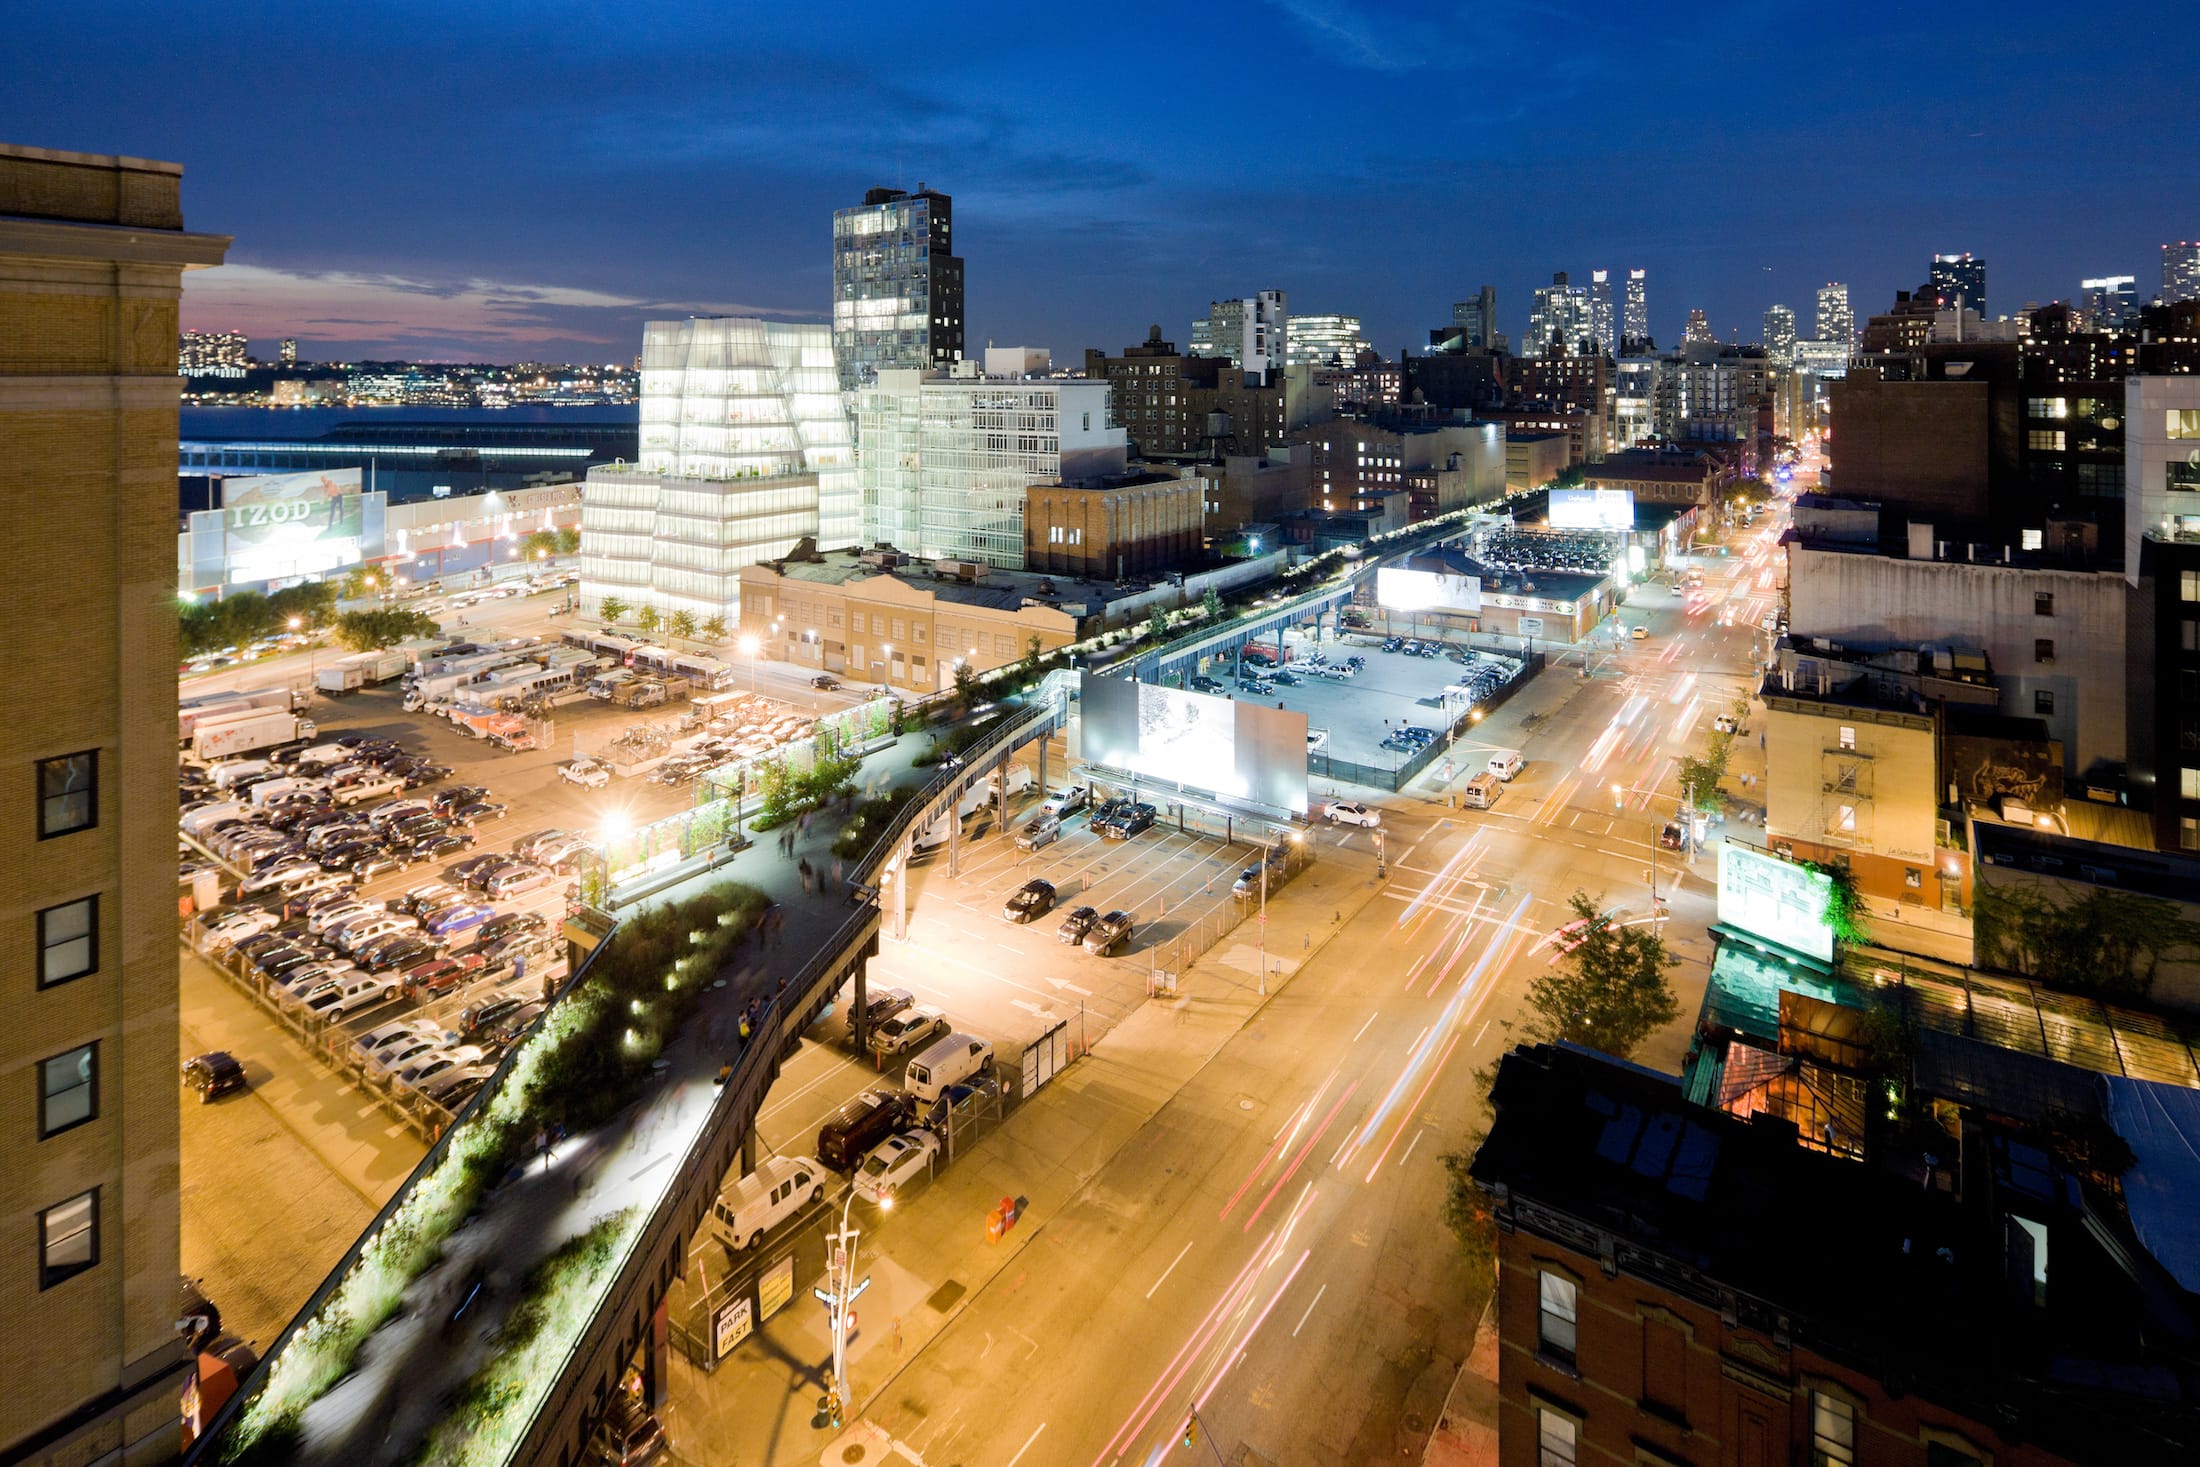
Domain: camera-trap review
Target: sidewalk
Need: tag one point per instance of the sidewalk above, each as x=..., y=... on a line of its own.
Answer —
x=757, y=1407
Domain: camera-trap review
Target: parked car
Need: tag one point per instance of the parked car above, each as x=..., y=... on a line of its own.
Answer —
x=587, y=773
x=779, y=1188
x=862, y=1124
x=1029, y=902
x=1079, y=922
x=1127, y=823
x=881, y=1005
x=1067, y=802
x=440, y=975
x=427, y=1066
x=1040, y=830
x=478, y=1017
x=908, y=1030
x=502, y=1032
x=477, y=811
x=1109, y=933
x=214, y=1074
x=893, y=1164
x=958, y=1103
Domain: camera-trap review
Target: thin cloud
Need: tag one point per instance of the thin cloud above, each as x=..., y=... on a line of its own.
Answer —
x=393, y=310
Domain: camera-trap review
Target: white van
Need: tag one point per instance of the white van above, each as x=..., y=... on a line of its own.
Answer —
x=322, y=756
x=225, y=775
x=272, y=789
x=946, y=1062
x=780, y=1187
x=1018, y=777
x=1506, y=763
x=1481, y=792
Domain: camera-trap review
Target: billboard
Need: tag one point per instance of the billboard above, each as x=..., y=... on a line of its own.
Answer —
x=1217, y=745
x=1419, y=590
x=280, y=525
x=1779, y=901
x=1592, y=509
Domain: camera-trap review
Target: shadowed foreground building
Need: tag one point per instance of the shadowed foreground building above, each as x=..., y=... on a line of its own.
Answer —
x=1680, y=1285
x=92, y=254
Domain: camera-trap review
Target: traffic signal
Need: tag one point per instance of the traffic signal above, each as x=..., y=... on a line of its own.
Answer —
x=1191, y=1431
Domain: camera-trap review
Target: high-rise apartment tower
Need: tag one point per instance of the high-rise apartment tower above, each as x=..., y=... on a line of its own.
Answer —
x=1635, y=321
x=1476, y=317
x=897, y=284
x=1836, y=322
x=1959, y=279
x=1601, y=323
x=1780, y=335
x=92, y=255
x=2181, y=271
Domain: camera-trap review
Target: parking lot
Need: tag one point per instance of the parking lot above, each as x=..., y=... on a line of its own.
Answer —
x=1350, y=719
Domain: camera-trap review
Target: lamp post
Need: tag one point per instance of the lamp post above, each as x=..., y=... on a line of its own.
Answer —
x=749, y=648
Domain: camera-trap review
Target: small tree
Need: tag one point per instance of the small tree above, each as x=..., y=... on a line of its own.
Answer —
x=1609, y=993
x=539, y=544
x=569, y=541
x=966, y=685
x=1157, y=625
x=1699, y=781
x=1844, y=907
x=612, y=609
x=647, y=621
x=1030, y=662
x=714, y=630
x=1210, y=604
x=682, y=624
x=1467, y=1210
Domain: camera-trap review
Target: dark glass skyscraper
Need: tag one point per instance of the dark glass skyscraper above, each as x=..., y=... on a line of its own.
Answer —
x=1959, y=277
x=897, y=284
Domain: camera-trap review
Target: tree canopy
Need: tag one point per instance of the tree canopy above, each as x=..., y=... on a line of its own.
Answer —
x=1610, y=993
x=369, y=631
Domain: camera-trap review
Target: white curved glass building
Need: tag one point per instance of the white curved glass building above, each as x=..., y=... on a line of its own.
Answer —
x=745, y=449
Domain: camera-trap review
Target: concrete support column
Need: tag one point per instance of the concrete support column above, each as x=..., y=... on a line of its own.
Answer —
x=657, y=1360
x=748, y=1151
x=862, y=1002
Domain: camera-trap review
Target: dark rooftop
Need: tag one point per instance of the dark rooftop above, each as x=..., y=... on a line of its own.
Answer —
x=1855, y=1261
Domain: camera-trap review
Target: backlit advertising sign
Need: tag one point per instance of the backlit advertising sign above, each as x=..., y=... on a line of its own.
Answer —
x=1206, y=743
x=275, y=526
x=1780, y=901
x=1592, y=509
x=1398, y=589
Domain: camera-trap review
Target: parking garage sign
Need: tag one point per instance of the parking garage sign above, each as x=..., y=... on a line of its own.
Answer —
x=735, y=1320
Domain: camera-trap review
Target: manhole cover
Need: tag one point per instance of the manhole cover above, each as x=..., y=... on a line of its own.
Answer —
x=1413, y=1423
x=944, y=1297
x=1245, y=1105
x=855, y=1452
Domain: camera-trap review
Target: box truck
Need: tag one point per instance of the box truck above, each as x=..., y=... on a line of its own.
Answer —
x=242, y=733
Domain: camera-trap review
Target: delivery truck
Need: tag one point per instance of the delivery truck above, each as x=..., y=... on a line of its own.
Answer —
x=214, y=707
x=243, y=733
x=361, y=670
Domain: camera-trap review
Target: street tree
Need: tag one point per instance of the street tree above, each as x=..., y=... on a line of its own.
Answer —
x=612, y=609
x=1157, y=625
x=370, y=631
x=1210, y=604
x=569, y=541
x=539, y=545
x=714, y=630
x=681, y=624
x=1610, y=993
x=647, y=621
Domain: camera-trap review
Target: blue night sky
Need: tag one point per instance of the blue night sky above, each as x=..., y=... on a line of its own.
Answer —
x=533, y=180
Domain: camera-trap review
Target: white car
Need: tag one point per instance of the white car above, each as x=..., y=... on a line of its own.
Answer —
x=1352, y=812
x=351, y=911
x=235, y=927
x=356, y=935
x=374, y=1041
x=348, y=996
x=1316, y=739
x=586, y=773
x=436, y=1061
x=893, y=1162
x=399, y=1053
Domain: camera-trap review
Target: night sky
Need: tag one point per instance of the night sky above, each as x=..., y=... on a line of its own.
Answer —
x=491, y=182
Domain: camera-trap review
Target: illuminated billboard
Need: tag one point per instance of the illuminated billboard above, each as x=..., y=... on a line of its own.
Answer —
x=1592, y=509
x=1779, y=901
x=1420, y=590
x=1205, y=743
x=281, y=525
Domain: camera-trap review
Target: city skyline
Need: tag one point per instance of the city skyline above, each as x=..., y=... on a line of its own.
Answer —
x=523, y=226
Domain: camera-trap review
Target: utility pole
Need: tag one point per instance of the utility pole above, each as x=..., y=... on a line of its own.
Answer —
x=838, y=1299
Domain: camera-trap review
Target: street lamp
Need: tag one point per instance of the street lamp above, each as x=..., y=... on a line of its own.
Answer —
x=750, y=646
